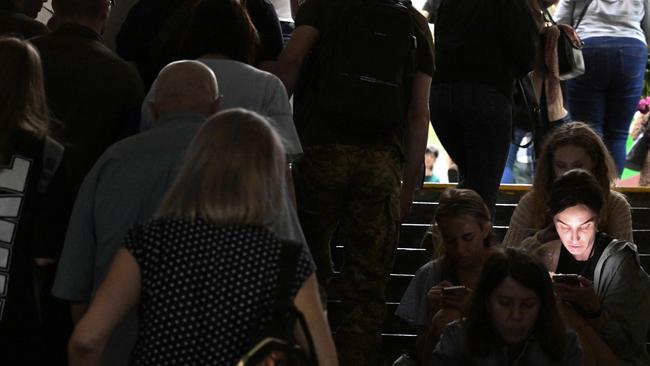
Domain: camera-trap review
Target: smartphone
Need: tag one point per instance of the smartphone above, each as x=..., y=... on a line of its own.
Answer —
x=454, y=290
x=569, y=279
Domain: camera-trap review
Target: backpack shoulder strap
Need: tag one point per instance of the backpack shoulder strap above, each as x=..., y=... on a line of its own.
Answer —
x=52, y=157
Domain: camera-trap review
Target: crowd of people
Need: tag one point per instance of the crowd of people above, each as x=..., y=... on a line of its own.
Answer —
x=162, y=195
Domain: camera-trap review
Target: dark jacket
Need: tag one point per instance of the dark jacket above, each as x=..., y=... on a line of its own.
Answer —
x=484, y=42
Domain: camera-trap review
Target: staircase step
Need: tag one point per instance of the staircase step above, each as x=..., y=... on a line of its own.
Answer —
x=407, y=260
x=397, y=284
x=392, y=323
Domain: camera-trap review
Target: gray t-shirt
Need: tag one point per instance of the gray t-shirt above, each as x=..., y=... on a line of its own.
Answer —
x=414, y=307
x=243, y=86
x=607, y=18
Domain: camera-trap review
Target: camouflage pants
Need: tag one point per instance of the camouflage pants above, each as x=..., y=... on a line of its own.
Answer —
x=355, y=192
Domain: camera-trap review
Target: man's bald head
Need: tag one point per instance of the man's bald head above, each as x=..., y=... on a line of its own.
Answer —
x=185, y=85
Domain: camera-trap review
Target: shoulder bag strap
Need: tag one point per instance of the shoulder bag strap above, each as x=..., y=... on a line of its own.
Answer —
x=289, y=254
x=582, y=13
x=575, y=25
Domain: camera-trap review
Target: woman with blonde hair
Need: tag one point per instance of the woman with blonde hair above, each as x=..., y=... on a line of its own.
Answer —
x=462, y=235
x=570, y=146
x=37, y=213
x=206, y=270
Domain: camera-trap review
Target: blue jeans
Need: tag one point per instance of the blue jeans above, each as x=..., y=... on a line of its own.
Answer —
x=607, y=94
x=508, y=172
x=473, y=123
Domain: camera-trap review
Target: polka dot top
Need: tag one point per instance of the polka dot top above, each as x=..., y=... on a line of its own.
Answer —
x=207, y=291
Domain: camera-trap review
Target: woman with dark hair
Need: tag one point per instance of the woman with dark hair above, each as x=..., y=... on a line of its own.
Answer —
x=205, y=271
x=222, y=36
x=512, y=319
x=35, y=209
x=570, y=146
x=480, y=48
x=608, y=302
x=462, y=235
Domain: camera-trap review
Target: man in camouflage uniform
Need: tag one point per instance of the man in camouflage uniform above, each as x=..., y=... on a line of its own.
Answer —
x=348, y=182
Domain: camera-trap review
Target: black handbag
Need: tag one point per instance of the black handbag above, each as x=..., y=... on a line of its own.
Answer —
x=636, y=158
x=526, y=113
x=570, y=60
x=277, y=341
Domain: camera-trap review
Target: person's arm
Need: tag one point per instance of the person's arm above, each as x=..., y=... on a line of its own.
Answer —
x=291, y=59
x=77, y=311
x=295, y=5
x=75, y=271
x=521, y=34
x=117, y=294
x=619, y=217
x=645, y=22
x=450, y=349
x=277, y=108
x=308, y=302
x=562, y=14
x=623, y=290
x=520, y=222
x=415, y=139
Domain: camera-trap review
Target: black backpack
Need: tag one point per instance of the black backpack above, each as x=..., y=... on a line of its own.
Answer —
x=364, y=64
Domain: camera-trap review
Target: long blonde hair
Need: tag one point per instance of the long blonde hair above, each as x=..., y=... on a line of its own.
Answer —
x=22, y=95
x=233, y=172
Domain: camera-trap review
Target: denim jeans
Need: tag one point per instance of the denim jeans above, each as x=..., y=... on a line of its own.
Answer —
x=473, y=123
x=607, y=94
x=508, y=172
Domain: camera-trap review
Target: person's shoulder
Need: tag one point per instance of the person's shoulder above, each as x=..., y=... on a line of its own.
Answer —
x=318, y=13
x=527, y=198
x=618, y=251
x=14, y=22
x=427, y=269
x=431, y=267
x=455, y=332
x=617, y=199
x=525, y=206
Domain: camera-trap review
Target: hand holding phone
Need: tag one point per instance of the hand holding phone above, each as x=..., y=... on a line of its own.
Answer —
x=454, y=290
x=569, y=279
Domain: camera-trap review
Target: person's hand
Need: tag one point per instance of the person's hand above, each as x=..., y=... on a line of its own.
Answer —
x=456, y=300
x=434, y=296
x=582, y=295
x=438, y=300
x=275, y=358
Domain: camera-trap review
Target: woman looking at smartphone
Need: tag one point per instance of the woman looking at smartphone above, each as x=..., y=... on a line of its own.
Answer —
x=571, y=146
x=513, y=319
x=462, y=223
x=610, y=303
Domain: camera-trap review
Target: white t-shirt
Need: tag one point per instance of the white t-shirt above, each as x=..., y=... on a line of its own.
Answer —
x=283, y=8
